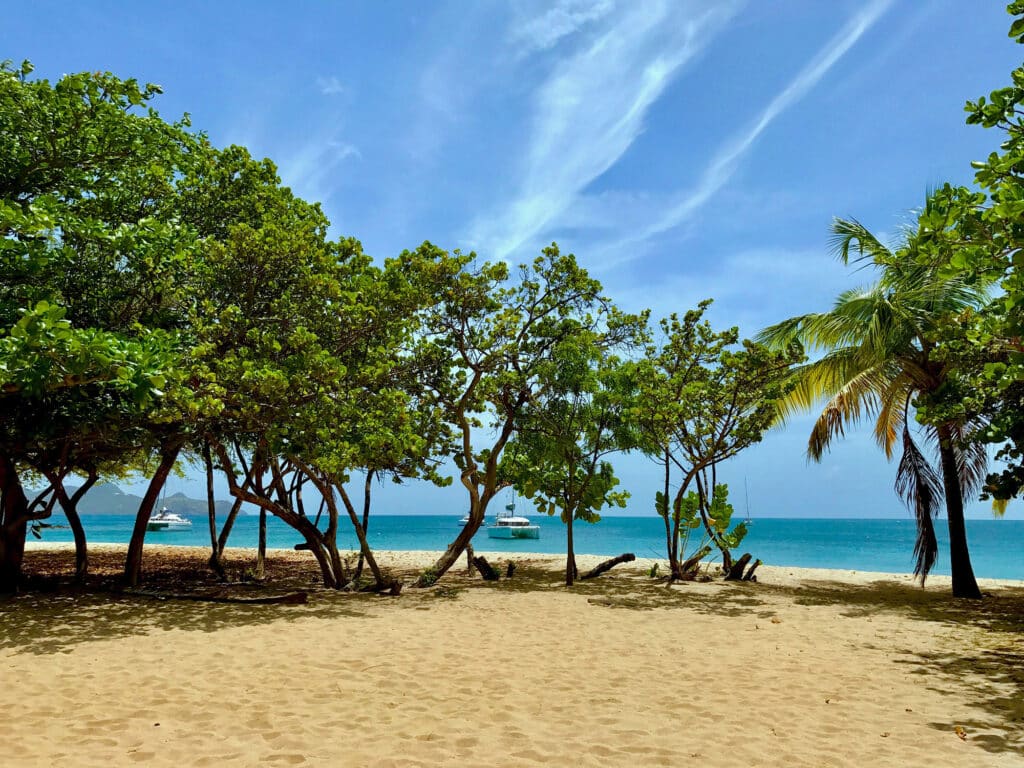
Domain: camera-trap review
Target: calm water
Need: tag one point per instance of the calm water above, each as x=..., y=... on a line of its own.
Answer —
x=997, y=546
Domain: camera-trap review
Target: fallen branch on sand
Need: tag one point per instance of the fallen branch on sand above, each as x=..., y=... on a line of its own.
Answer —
x=735, y=570
x=607, y=565
x=486, y=570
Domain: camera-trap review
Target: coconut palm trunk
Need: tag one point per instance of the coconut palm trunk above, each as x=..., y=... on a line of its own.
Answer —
x=964, y=583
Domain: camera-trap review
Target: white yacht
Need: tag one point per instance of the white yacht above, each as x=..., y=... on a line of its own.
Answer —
x=508, y=525
x=165, y=520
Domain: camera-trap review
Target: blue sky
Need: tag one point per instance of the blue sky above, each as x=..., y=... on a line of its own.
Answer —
x=681, y=150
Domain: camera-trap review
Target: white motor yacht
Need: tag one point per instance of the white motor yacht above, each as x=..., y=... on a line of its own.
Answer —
x=165, y=520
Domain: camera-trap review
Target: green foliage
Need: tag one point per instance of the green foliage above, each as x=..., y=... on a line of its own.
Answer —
x=92, y=266
x=987, y=245
x=428, y=578
x=882, y=356
x=703, y=397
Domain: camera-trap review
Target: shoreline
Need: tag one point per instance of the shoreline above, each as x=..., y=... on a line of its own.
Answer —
x=417, y=559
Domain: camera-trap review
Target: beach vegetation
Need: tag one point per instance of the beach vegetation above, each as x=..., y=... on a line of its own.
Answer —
x=163, y=301
x=704, y=396
x=494, y=334
x=581, y=415
x=90, y=259
x=985, y=244
x=879, y=359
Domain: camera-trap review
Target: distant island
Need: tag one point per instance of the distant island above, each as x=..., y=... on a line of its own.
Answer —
x=109, y=499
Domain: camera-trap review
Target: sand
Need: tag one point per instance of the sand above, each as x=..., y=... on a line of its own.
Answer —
x=805, y=668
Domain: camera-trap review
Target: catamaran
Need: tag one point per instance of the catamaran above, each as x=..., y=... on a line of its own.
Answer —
x=508, y=525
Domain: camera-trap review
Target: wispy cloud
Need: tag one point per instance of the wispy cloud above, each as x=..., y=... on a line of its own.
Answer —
x=591, y=109
x=312, y=170
x=343, y=150
x=726, y=161
x=773, y=276
x=539, y=33
x=330, y=86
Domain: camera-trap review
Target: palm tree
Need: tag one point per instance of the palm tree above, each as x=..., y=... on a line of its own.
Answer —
x=878, y=360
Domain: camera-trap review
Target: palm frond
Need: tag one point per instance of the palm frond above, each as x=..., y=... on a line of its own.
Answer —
x=856, y=398
x=920, y=486
x=892, y=414
x=849, y=235
x=971, y=455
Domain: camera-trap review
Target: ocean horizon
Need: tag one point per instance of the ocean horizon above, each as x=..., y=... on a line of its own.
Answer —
x=885, y=545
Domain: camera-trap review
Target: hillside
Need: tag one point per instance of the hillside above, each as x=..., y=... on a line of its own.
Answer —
x=109, y=499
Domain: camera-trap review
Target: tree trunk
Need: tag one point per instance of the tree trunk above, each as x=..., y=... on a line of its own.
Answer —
x=750, y=576
x=964, y=583
x=570, y=554
x=13, y=525
x=688, y=569
x=367, y=488
x=133, y=562
x=488, y=571
x=301, y=523
x=81, y=545
x=735, y=570
x=668, y=511
x=261, y=547
x=70, y=508
x=477, y=510
x=222, y=540
x=365, y=553
x=211, y=509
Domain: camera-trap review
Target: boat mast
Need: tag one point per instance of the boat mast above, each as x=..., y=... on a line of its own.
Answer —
x=746, y=497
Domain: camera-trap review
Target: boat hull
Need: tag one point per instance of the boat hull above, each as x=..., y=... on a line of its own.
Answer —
x=514, y=532
x=157, y=525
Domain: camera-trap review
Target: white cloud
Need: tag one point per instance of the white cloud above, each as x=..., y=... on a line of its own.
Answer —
x=343, y=150
x=540, y=33
x=751, y=288
x=312, y=170
x=591, y=109
x=726, y=161
x=330, y=86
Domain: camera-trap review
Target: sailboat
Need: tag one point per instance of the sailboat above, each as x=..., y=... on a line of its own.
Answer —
x=508, y=525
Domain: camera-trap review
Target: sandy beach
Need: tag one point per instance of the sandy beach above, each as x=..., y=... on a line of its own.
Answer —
x=804, y=668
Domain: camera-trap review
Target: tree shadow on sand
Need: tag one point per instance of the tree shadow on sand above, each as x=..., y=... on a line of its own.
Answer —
x=989, y=672
x=48, y=624
x=628, y=590
x=54, y=615
x=987, y=667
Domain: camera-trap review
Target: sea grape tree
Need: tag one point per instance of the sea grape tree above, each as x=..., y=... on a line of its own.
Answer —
x=492, y=333
x=89, y=263
x=704, y=396
x=580, y=416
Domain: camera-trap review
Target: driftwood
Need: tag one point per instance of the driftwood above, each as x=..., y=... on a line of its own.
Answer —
x=750, y=572
x=688, y=569
x=486, y=570
x=291, y=598
x=607, y=565
x=469, y=559
x=735, y=571
x=392, y=588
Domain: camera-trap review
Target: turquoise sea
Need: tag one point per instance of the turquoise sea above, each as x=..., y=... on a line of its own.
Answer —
x=997, y=546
